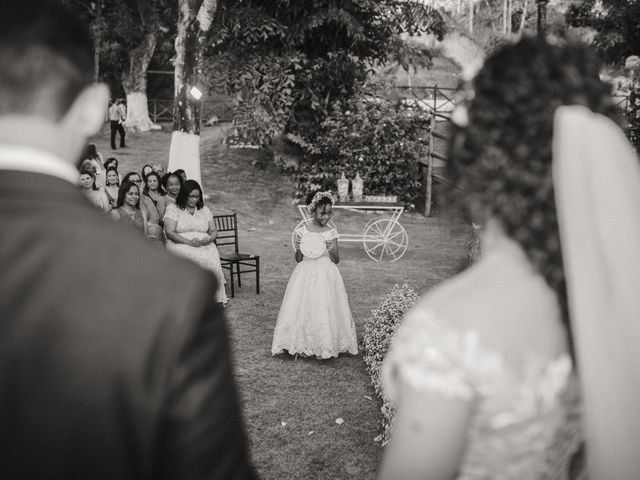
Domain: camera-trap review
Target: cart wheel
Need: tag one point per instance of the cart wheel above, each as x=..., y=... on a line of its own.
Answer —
x=385, y=239
x=305, y=222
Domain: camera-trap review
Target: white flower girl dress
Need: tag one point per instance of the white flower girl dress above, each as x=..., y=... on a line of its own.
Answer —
x=315, y=318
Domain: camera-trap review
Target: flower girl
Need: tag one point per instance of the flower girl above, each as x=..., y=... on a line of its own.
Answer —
x=315, y=318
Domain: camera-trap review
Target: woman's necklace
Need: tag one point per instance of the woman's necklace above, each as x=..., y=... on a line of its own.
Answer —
x=125, y=209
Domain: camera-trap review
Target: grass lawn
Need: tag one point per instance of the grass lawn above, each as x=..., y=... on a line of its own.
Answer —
x=306, y=394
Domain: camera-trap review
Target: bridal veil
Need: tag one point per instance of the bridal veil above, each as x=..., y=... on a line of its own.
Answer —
x=596, y=178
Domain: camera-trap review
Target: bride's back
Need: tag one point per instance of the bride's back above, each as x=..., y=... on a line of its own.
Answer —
x=499, y=323
x=507, y=302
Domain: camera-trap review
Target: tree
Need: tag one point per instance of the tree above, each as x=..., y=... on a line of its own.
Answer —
x=125, y=33
x=91, y=13
x=134, y=78
x=617, y=23
x=194, y=21
x=299, y=57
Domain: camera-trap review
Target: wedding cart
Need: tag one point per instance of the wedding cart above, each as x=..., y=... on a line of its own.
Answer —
x=382, y=238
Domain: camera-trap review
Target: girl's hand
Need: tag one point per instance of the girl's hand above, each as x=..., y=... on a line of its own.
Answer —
x=194, y=242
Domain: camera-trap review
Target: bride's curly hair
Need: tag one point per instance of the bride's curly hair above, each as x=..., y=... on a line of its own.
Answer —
x=501, y=160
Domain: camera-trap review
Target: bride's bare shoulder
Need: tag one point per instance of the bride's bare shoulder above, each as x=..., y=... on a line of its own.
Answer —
x=505, y=301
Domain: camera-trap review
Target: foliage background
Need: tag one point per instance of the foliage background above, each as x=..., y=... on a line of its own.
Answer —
x=367, y=134
x=288, y=62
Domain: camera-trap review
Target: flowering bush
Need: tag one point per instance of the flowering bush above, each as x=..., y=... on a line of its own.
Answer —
x=379, y=330
x=633, y=113
x=379, y=138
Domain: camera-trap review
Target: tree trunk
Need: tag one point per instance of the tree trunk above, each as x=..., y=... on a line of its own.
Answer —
x=135, y=79
x=504, y=17
x=97, y=47
x=193, y=24
x=524, y=16
x=135, y=85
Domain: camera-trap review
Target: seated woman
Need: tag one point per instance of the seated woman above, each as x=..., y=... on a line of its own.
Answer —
x=158, y=169
x=147, y=206
x=112, y=186
x=128, y=207
x=182, y=174
x=91, y=153
x=172, y=184
x=90, y=189
x=111, y=162
x=153, y=188
x=146, y=170
x=191, y=232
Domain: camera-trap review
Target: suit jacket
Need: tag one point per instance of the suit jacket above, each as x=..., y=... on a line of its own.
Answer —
x=114, y=361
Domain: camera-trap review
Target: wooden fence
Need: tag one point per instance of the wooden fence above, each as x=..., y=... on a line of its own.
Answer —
x=161, y=110
x=440, y=102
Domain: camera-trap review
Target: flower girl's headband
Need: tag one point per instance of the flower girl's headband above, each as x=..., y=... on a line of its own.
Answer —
x=317, y=197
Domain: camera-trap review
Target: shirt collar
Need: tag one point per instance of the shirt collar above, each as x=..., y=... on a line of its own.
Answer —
x=32, y=160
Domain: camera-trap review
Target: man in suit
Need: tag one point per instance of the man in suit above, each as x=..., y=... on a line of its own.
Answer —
x=114, y=358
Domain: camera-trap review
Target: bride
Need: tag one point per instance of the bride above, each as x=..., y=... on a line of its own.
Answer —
x=504, y=371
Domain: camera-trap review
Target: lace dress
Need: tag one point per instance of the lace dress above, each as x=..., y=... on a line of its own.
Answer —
x=315, y=318
x=521, y=428
x=134, y=219
x=196, y=226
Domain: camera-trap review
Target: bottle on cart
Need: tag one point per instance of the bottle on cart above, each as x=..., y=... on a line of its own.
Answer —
x=357, y=186
x=343, y=188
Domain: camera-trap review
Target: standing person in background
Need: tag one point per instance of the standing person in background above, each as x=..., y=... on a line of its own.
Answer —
x=115, y=122
x=110, y=368
x=122, y=108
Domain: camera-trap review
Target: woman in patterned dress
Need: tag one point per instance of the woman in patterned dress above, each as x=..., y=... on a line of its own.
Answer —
x=191, y=232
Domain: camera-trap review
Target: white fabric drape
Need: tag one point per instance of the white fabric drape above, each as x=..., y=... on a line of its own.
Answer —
x=597, y=188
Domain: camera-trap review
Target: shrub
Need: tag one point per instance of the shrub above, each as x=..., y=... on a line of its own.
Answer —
x=379, y=330
x=633, y=114
x=379, y=138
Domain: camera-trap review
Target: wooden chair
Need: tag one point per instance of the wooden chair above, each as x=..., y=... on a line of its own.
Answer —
x=237, y=263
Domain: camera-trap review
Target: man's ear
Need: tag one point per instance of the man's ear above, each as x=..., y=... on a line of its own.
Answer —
x=88, y=112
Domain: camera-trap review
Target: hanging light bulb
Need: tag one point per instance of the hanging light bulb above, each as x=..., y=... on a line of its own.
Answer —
x=195, y=92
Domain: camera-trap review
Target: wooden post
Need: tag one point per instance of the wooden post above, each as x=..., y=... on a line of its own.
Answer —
x=435, y=94
x=427, y=207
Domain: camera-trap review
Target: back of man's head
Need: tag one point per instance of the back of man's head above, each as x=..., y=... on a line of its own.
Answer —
x=46, y=58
